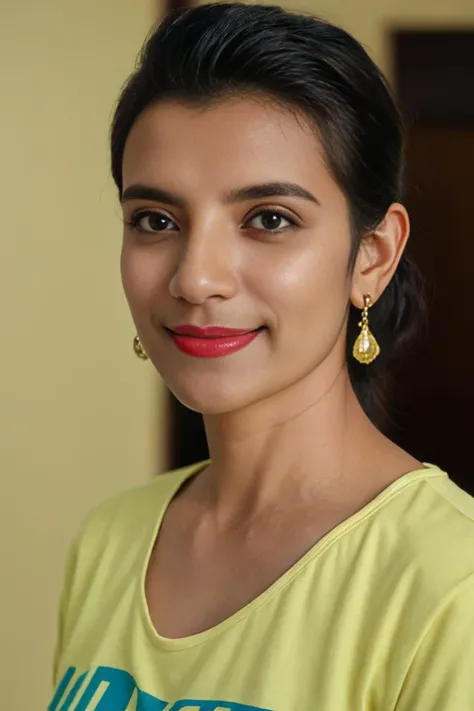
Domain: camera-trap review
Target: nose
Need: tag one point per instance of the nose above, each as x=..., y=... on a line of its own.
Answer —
x=206, y=267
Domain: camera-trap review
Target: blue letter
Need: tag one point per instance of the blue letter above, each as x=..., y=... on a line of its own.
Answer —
x=146, y=702
x=62, y=688
x=118, y=695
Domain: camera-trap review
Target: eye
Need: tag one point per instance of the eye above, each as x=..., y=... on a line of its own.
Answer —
x=271, y=221
x=149, y=221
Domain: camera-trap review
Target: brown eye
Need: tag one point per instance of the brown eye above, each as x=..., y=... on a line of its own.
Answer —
x=271, y=221
x=150, y=221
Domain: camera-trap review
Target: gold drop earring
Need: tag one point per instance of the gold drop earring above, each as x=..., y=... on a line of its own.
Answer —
x=138, y=349
x=366, y=349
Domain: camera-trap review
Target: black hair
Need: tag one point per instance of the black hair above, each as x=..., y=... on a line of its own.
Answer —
x=211, y=52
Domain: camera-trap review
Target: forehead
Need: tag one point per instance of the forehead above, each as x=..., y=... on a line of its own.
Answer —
x=236, y=141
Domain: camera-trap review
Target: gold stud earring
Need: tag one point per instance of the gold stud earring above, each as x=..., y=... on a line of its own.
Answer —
x=138, y=349
x=366, y=349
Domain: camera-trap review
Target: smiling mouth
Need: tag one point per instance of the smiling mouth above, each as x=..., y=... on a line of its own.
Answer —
x=212, y=341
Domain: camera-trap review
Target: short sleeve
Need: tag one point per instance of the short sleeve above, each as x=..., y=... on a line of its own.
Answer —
x=441, y=675
x=63, y=606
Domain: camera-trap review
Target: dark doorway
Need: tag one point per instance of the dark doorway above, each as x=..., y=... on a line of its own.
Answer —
x=187, y=436
x=434, y=79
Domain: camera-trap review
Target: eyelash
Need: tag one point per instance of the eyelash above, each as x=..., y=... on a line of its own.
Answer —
x=134, y=221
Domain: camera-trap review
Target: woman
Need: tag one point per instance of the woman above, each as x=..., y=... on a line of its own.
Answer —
x=310, y=564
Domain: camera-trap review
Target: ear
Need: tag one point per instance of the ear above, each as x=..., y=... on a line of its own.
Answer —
x=379, y=255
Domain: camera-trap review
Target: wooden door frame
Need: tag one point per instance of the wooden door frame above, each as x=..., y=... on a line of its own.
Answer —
x=171, y=5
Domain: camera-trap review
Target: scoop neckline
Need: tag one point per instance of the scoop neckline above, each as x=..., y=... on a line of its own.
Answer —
x=323, y=544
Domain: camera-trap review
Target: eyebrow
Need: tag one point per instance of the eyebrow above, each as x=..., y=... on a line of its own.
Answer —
x=252, y=192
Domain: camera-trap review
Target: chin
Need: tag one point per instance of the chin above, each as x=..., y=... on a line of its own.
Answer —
x=211, y=398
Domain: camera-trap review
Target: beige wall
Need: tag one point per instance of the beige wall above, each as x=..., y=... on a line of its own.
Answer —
x=78, y=412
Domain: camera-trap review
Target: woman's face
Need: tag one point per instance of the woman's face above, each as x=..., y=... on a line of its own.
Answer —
x=207, y=244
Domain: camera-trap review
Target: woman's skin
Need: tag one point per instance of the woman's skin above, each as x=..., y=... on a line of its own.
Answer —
x=293, y=454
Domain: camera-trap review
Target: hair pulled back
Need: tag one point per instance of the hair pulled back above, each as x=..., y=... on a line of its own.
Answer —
x=212, y=52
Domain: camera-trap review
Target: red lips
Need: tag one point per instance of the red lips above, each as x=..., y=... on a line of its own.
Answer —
x=209, y=331
x=211, y=341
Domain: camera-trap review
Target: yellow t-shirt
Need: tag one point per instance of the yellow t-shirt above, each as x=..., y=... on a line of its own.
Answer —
x=377, y=616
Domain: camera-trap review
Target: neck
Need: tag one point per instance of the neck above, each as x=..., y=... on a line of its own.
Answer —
x=295, y=445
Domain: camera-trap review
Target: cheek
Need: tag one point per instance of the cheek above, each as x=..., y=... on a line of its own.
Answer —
x=308, y=288
x=143, y=274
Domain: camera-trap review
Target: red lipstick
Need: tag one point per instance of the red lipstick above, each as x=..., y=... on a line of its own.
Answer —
x=211, y=341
